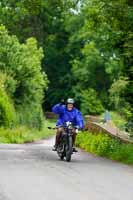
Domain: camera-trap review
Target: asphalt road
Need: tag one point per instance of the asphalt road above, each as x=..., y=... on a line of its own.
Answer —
x=34, y=172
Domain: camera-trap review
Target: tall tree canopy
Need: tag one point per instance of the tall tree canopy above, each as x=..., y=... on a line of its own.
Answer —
x=88, y=47
x=23, y=81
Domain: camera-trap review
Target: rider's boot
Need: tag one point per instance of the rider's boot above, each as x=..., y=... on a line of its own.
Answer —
x=57, y=139
x=74, y=139
x=54, y=148
x=75, y=150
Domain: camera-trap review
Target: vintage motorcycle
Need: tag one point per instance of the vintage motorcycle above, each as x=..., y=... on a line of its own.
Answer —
x=65, y=147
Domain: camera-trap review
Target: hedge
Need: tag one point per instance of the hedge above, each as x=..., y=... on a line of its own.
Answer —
x=7, y=111
x=104, y=145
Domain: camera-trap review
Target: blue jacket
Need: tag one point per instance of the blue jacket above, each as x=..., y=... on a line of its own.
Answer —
x=65, y=115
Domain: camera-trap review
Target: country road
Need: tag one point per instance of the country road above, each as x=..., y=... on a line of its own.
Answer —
x=34, y=172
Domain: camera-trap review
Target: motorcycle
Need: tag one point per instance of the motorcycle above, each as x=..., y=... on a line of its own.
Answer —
x=65, y=147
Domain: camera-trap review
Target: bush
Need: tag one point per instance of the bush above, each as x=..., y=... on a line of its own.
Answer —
x=123, y=153
x=23, y=134
x=7, y=111
x=34, y=119
x=24, y=81
x=104, y=145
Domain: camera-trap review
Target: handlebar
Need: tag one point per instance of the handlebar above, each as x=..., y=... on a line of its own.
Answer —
x=53, y=128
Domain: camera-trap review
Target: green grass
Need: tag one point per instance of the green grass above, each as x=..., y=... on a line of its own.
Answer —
x=104, y=145
x=23, y=134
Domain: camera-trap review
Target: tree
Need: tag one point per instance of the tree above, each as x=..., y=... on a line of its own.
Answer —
x=117, y=96
x=87, y=44
x=101, y=46
x=43, y=20
x=25, y=82
x=90, y=104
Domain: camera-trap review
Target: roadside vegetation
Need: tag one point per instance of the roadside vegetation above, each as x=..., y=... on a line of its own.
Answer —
x=106, y=146
x=22, y=90
x=23, y=134
x=117, y=119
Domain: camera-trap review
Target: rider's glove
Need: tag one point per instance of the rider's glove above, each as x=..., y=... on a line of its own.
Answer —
x=76, y=129
x=62, y=102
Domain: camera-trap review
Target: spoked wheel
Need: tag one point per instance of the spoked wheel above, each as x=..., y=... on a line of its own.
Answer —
x=69, y=149
x=60, y=152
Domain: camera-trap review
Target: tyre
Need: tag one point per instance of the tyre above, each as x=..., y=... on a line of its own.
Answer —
x=60, y=151
x=62, y=157
x=69, y=149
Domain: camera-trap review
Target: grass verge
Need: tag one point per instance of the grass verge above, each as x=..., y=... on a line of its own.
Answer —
x=117, y=119
x=23, y=134
x=104, y=145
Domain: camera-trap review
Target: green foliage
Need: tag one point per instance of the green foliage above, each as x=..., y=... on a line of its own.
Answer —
x=25, y=83
x=87, y=44
x=23, y=134
x=7, y=111
x=123, y=153
x=98, y=144
x=118, y=119
x=43, y=20
x=34, y=119
x=104, y=145
x=101, y=47
x=117, y=91
x=90, y=104
x=89, y=71
x=23, y=62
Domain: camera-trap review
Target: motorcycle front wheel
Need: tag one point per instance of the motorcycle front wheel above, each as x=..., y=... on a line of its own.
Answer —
x=62, y=157
x=60, y=152
x=69, y=149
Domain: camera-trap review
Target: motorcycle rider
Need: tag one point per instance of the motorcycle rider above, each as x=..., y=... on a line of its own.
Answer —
x=66, y=113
